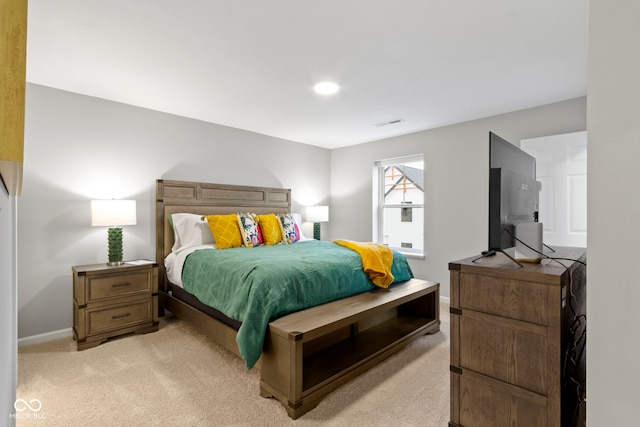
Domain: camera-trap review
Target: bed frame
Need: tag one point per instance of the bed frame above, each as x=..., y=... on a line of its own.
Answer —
x=309, y=353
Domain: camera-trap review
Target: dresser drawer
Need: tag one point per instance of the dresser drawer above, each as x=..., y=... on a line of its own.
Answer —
x=504, y=350
x=104, y=319
x=484, y=402
x=515, y=299
x=118, y=285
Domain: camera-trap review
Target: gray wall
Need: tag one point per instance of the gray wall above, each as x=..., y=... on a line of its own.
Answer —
x=8, y=320
x=456, y=180
x=613, y=287
x=79, y=148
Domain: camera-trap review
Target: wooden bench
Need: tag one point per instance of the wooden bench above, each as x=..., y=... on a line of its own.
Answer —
x=310, y=353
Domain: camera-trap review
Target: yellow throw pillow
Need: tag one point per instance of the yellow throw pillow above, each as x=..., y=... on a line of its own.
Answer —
x=270, y=227
x=225, y=230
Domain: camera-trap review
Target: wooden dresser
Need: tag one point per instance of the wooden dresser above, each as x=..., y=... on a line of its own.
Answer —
x=517, y=341
x=112, y=301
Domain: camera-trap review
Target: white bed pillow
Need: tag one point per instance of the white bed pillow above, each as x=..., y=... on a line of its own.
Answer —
x=190, y=230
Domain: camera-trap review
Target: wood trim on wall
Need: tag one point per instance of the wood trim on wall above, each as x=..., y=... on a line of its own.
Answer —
x=11, y=176
x=13, y=59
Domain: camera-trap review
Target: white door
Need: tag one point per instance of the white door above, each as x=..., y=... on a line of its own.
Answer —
x=561, y=167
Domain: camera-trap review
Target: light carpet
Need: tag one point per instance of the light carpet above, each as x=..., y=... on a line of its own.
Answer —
x=179, y=377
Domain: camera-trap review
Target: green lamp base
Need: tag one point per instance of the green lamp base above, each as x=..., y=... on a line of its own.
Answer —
x=316, y=230
x=115, y=246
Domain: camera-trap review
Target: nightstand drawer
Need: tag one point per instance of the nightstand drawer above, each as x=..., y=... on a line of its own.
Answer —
x=117, y=285
x=108, y=318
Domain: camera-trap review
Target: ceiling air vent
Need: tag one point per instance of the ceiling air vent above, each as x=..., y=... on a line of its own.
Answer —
x=389, y=122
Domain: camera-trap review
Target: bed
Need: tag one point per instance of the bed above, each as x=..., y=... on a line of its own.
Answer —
x=307, y=351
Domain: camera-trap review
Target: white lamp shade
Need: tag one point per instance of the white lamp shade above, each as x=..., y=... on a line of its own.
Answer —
x=113, y=212
x=318, y=213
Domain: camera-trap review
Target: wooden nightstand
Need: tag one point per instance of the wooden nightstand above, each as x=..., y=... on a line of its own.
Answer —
x=113, y=301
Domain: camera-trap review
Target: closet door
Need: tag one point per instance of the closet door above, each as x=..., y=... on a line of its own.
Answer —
x=561, y=167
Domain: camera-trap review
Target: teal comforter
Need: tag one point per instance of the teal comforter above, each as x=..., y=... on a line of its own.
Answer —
x=257, y=285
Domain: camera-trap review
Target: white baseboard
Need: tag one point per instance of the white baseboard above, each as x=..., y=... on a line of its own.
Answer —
x=64, y=333
x=48, y=336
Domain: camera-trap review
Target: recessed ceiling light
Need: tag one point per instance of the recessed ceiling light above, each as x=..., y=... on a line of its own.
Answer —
x=326, y=88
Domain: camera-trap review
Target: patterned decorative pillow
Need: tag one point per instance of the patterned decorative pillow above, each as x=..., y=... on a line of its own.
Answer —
x=290, y=231
x=249, y=230
x=270, y=227
x=225, y=230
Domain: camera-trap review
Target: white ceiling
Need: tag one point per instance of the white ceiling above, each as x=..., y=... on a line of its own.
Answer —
x=252, y=64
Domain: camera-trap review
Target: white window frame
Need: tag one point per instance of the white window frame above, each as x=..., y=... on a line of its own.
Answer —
x=379, y=206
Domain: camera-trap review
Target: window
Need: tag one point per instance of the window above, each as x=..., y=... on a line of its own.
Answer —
x=399, y=204
x=407, y=214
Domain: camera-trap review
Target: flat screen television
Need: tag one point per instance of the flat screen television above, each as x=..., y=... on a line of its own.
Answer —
x=513, y=191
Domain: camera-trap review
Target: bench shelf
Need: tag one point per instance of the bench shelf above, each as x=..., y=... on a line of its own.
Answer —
x=310, y=353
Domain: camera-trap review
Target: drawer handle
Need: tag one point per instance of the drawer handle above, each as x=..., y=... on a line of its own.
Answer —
x=119, y=285
x=120, y=316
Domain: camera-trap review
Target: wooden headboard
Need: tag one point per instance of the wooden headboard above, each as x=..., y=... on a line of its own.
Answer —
x=209, y=199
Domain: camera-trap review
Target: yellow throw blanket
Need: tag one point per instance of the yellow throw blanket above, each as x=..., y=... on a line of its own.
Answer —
x=376, y=260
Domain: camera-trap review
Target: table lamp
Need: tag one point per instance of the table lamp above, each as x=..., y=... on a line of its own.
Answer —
x=113, y=214
x=317, y=214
